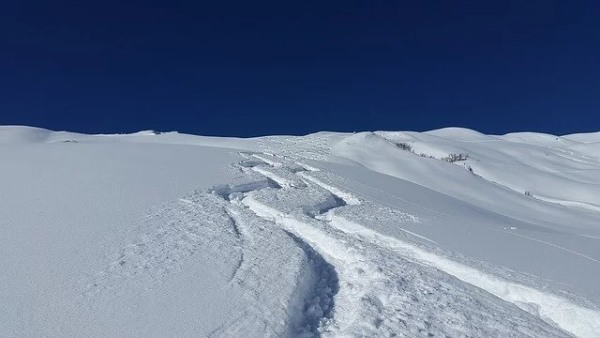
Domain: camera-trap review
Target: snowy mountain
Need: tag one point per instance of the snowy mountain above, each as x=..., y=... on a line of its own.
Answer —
x=443, y=233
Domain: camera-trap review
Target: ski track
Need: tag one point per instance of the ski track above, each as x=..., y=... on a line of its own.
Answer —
x=367, y=303
x=289, y=287
x=552, y=309
x=293, y=230
x=555, y=246
x=311, y=282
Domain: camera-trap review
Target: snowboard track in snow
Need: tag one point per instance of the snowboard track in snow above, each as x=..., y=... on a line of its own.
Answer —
x=319, y=301
x=349, y=284
x=530, y=300
x=318, y=298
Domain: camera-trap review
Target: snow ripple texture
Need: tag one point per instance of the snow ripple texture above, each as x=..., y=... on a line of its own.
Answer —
x=333, y=275
x=382, y=292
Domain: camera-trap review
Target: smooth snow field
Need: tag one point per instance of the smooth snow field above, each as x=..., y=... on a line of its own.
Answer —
x=447, y=233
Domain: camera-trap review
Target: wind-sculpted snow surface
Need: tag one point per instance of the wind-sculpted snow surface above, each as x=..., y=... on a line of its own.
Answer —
x=352, y=235
x=287, y=287
x=382, y=292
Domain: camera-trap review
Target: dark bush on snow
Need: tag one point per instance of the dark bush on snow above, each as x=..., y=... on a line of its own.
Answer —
x=404, y=146
x=456, y=157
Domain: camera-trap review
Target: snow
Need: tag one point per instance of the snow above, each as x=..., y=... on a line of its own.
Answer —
x=328, y=234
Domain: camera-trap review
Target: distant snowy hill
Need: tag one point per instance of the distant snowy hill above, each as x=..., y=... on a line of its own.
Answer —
x=443, y=233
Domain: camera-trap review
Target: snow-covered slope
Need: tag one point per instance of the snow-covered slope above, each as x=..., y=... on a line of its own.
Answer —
x=444, y=233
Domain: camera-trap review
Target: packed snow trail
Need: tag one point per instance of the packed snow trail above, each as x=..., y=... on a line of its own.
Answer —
x=288, y=286
x=382, y=291
x=308, y=264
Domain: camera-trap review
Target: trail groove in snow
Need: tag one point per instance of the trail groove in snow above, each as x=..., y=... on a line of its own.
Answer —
x=370, y=301
x=580, y=321
x=576, y=319
x=317, y=284
x=334, y=275
x=319, y=299
x=558, y=247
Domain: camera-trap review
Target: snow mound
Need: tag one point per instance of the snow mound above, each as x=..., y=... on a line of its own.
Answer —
x=460, y=134
x=25, y=135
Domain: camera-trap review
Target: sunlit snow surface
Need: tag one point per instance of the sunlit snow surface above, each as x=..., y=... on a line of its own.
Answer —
x=329, y=234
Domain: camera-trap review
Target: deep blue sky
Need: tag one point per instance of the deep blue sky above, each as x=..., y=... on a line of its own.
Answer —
x=291, y=67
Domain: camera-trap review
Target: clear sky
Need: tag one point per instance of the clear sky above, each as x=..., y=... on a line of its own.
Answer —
x=244, y=68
